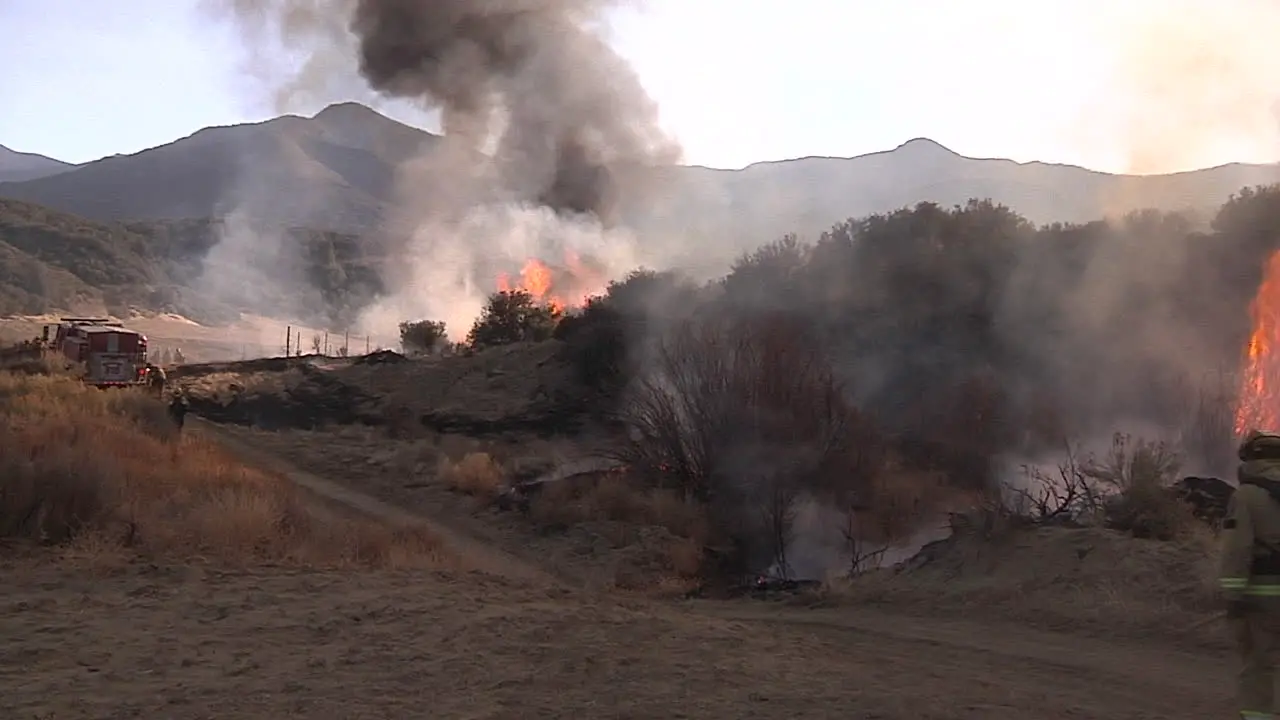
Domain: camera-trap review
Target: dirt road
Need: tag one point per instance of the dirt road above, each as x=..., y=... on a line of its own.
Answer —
x=186, y=643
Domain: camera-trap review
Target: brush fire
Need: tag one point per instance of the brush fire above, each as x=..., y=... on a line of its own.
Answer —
x=1259, y=395
x=562, y=287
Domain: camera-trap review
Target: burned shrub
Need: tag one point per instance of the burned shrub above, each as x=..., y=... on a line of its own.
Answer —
x=740, y=416
x=1133, y=487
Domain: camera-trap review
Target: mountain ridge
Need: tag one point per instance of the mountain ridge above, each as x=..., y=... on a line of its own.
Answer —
x=337, y=171
x=353, y=112
x=17, y=166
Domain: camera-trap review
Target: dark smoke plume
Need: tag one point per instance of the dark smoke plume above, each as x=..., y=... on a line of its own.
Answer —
x=577, y=118
x=577, y=128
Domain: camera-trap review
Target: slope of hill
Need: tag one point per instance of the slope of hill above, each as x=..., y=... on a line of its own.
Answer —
x=50, y=260
x=335, y=171
x=19, y=166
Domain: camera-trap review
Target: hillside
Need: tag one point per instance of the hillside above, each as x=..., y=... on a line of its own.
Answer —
x=335, y=171
x=19, y=166
x=51, y=260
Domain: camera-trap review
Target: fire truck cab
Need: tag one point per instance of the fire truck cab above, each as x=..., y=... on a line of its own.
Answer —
x=110, y=354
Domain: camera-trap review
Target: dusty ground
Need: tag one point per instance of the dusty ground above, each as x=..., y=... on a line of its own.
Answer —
x=403, y=474
x=539, y=630
x=184, y=643
x=144, y=641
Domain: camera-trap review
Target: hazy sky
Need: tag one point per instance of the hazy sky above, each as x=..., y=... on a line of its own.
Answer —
x=1122, y=85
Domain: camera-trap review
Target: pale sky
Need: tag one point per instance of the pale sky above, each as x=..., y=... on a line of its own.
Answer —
x=1119, y=85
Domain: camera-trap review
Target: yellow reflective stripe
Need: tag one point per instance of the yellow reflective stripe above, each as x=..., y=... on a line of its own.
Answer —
x=1267, y=588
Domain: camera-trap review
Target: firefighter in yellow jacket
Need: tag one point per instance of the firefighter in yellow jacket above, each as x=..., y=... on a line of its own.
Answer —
x=1250, y=573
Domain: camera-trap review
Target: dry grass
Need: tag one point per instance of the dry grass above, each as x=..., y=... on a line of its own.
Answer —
x=477, y=474
x=1126, y=488
x=1087, y=580
x=900, y=497
x=686, y=558
x=106, y=471
x=28, y=357
x=615, y=498
x=616, y=504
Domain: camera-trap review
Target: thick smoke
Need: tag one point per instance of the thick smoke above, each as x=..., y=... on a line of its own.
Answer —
x=537, y=111
x=546, y=129
x=577, y=121
x=1188, y=84
x=989, y=344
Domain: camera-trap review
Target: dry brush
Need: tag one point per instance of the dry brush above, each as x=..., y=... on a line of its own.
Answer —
x=107, y=472
x=741, y=417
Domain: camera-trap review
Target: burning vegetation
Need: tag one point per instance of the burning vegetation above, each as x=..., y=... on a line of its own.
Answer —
x=1259, y=395
x=861, y=386
x=561, y=287
x=926, y=349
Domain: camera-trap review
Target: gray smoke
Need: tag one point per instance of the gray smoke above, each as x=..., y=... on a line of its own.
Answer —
x=577, y=120
x=574, y=128
x=546, y=130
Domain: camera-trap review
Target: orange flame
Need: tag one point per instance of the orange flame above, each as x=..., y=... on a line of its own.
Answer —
x=554, y=286
x=1259, y=398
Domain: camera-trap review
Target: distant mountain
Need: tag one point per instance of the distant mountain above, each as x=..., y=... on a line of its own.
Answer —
x=335, y=172
x=808, y=195
x=18, y=166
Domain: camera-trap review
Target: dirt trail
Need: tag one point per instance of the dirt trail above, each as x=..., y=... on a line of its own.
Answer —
x=477, y=555
x=866, y=664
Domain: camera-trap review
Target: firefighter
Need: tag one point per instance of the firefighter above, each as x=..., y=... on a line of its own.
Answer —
x=1250, y=572
x=156, y=379
x=178, y=409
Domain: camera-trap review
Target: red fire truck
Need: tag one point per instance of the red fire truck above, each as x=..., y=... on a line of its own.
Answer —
x=109, y=354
